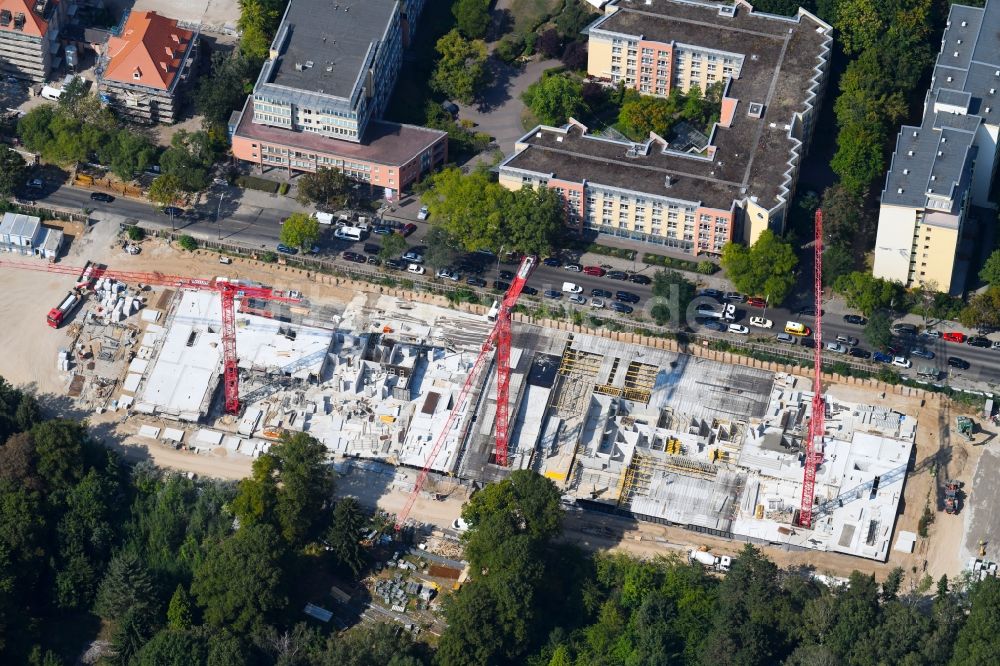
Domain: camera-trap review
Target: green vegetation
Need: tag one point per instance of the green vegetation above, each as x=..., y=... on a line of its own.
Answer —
x=393, y=245
x=672, y=294
x=478, y=213
x=165, y=189
x=990, y=272
x=257, y=183
x=187, y=243
x=191, y=155
x=982, y=310
x=878, y=331
x=864, y=292
x=554, y=98
x=642, y=114
x=300, y=230
x=12, y=171
x=328, y=188
x=227, y=86
x=463, y=140
x=608, y=251
x=704, y=267
x=766, y=268
x=472, y=17
x=135, y=233
x=258, y=22
x=461, y=72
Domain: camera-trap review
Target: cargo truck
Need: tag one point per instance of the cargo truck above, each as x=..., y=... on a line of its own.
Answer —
x=59, y=314
x=717, y=562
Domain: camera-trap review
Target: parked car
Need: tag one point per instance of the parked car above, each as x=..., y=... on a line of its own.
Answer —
x=505, y=275
x=953, y=337
x=714, y=325
x=902, y=328
x=596, y=271
x=858, y=352
x=395, y=264
x=626, y=297
x=857, y=320
x=423, y=213
x=416, y=269
x=575, y=268
x=284, y=249
x=786, y=338
x=848, y=340
x=372, y=248
x=597, y=303
x=552, y=293
x=373, y=260
x=408, y=229
x=353, y=256
x=761, y=322
x=734, y=297
x=530, y=291
x=552, y=261
x=996, y=344
x=577, y=299
x=617, y=275
x=475, y=282
x=932, y=333
x=711, y=293
x=881, y=357
x=101, y=196
x=757, y=302
x=957, y=362
x=901, y=362
x=922, y=353
x=639, y=279
x=738, y=328
x=621, y=307
x=173, y=210
x=835, y=347
x=500, y=285
x=381, y=230
x=413, y=257
x=448, y=274
x=979, y=341
x=601, y=293
x=809, y=342
x=809, y=311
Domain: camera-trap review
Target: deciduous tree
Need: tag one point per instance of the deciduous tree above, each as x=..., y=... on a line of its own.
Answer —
x=165, y=189
x=554, y=99
x=472, y=17
x=878, y=331
x=766, y=268
x=300, y=230
x=462, y=72
x=328, y=188
x=12, y=171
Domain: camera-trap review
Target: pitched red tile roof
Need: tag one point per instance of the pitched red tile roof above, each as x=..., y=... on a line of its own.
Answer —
x=34, y=24
x=149, y=51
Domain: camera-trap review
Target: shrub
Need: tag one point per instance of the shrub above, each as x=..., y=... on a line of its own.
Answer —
x=269, y=257
x=925, y=521
x=135, y=233
x=187, y=243
x=255, y=183
x=707, y=267
x=283, y=189
x=510, y=48
x=679, y=264
x=621, y=253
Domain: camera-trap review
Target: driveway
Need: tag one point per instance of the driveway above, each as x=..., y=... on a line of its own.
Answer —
x=499, y=114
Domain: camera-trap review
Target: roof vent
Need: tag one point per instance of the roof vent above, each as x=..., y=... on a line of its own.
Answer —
x=909, y=153
x=956, y=54
x=723, y=11
x=631, y=152
x=19, y=21
x=309, y=64
x=175, y=37
x=668, y=180
x=299, y=67
x=906, y=172
x=965, y=24
x=899, y=191
x=916, y=133
x=755, y=110
x=137, y=74
x=5, y=17
x=958, y=41
x=949, y=79
x=993, y=91
x=933, y=177
x=940, y=153
x=988, y=109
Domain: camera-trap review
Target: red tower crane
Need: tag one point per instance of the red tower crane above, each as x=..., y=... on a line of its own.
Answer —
x=227, y=290
x=499, y=338
x=814, y=438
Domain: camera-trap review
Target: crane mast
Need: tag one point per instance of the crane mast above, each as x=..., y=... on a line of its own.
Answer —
x=814, y=438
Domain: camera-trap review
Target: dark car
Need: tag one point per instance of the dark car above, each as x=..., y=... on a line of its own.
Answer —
x=284, y=249
x=639, y=279
x=372, y=248
x=173, y=210
x=408, y=229
x=530, y=291
x=922, y=353
x=858, y=352
x=808, y=311
x=882, y=357
x=356, y=257
x=101, y=196
x=857, y=320
x=711, y=293
x=626, y=297
x=505, y=275
x=957, y=362
x=620, y=307
x=552, y=261
x=475, y=282
x=381, y=230
x=601, y=293
x=374, y=260
x=395, y=264
x=715, y=325
x=500, y=285
x=808, y=342
x=979, y=341
x=904, y=329
x=552, y=293
x=617, y=275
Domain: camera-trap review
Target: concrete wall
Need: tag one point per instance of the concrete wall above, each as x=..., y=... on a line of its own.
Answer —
x=894, y=242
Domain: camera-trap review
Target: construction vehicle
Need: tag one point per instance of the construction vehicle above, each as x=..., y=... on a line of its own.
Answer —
x=716, y=562
x=61, y=312
x=499, y=339
x=966, y=427
x=951, y=497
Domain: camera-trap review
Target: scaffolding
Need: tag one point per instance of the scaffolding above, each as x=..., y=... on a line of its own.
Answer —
x=575, y=362
x=639, y=381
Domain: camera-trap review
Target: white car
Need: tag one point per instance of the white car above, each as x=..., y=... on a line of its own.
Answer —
x=836, y=348
x=416, y=269
x=423, y=213
x=597, y=303
x=761, y=322
x=901, y=362
x=578, y=299
x=738, y=328
x=448, y=274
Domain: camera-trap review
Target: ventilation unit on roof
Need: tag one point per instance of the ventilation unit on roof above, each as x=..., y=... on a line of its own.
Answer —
x=668, y=180
x=909, y=153
x=915, y=133
x=19, y=21
x=309, y=64
x=906, y=172
x=956, y=54
x=755, y=110
x=299, y=67
x=631, y=152
x=5, y=17
x=726, y=11
x=899, y=191
x=753, y=57
x=958, y=41
x=965, y=24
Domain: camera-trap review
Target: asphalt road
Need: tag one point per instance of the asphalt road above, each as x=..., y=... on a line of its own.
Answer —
x=260, y=226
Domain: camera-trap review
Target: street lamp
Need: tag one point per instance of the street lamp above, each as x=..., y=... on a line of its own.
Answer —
x=218, y=219
x=499, y=254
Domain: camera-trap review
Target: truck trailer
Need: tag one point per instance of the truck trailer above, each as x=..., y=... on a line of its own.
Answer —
x=60, y=313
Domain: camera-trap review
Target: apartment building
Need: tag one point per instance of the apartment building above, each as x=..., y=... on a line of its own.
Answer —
x=321, y=94
x=693, y=199
x=29, y=37
x=941, y=170
x=144, y=70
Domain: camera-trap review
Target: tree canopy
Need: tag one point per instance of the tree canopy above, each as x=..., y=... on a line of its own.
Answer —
x=328, y=188
x=462, y=72
x=12, y=171
x=472, y=17
x=766, y=268
x=300, y=230
x=554, y=99
x=867, y=293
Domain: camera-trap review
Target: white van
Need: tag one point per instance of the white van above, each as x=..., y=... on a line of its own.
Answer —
x=48, y=92
x=571, y=288
x=348, y=233
x=323, y=218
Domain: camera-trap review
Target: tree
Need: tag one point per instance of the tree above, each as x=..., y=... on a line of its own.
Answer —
x=226, y=88
x=766, y=268
x=976, y=643
x=127, y=154
x=574, y=56
x=189, y=158
x=127, y=587
x=982, y=311
x=300, y=230
x=179, y=613
x=858, y=160
x=240, y=583
x=306, y=486
x=461, y=71
x=327, y=188
x=640, y=115
x=464, y=642
x=165, y=189
x=346, y=532
x=378, y=644
x=393, y=245
x=842, y=215
x=534, y=219
x=554, y=99
x=441, y=251
x=187, y=243
x=672, y=294
x=472, y=17
x=837, y=261
x=257, y=23
x=173, y=647
x=128, y=637
x=867, y=293
x=257, y=496
x=860, y=23
x=878, y=330
x=12, y=171
x=990, y=272
x=549, y=43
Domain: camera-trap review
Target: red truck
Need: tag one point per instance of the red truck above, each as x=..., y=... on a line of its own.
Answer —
x=58, y=315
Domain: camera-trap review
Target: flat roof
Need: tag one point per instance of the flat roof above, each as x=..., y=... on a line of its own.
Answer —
x=753, y=157
x=336, y=36
x=387, y=143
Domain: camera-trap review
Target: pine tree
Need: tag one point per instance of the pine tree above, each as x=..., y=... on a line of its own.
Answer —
x=179, y=615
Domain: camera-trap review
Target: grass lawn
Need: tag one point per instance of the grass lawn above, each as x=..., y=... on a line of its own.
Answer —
x=255, y=183
x=528, y=14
